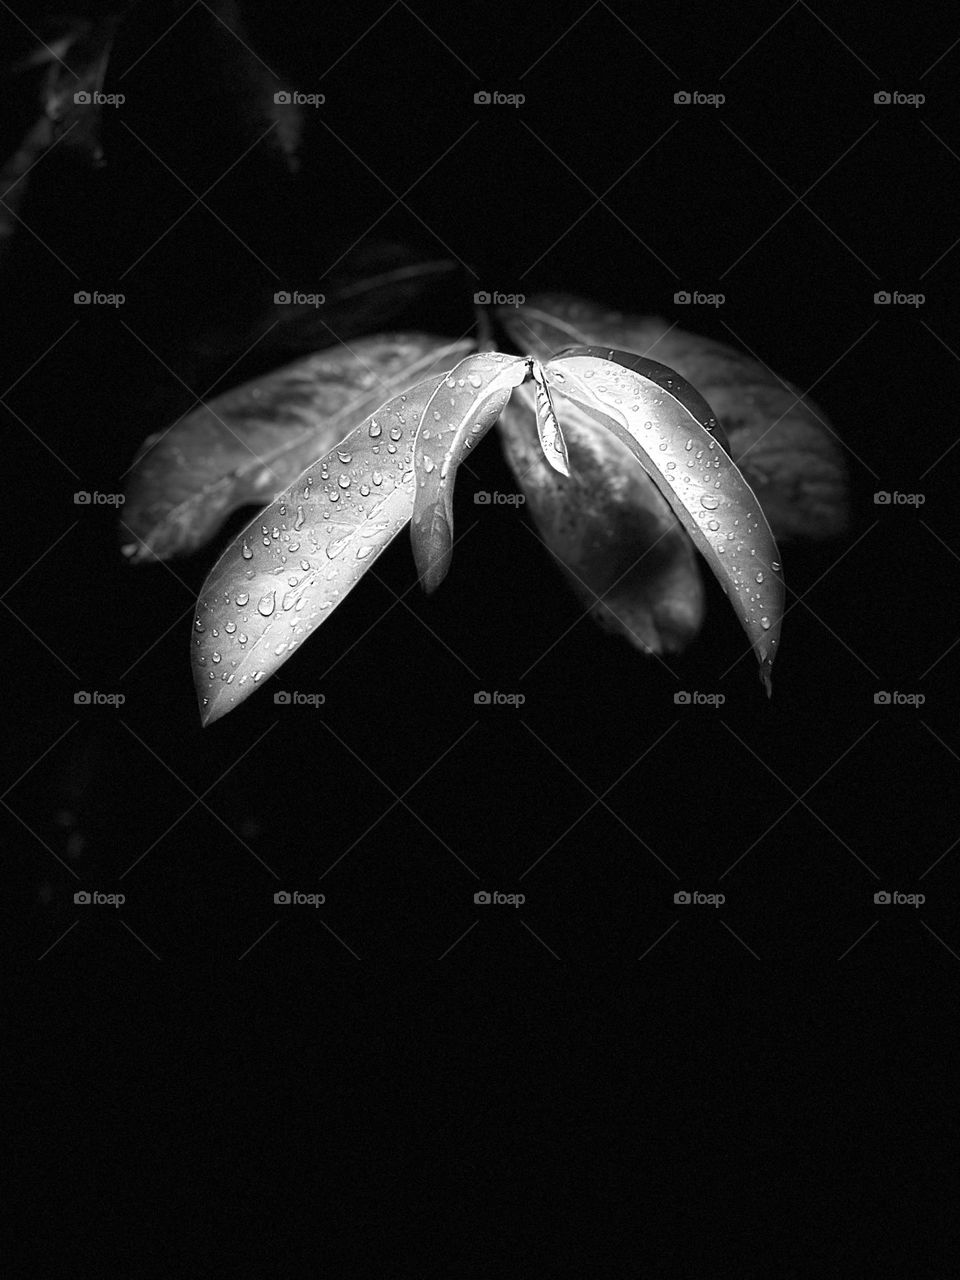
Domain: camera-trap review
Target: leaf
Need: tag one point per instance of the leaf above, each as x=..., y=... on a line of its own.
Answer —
x=781, y=440
x=286, y=572
x=552, y=443
x=703, y=486
x=622, y=548
x=246, y=446
x=465, y=407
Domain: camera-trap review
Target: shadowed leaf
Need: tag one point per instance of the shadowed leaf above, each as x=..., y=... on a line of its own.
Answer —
x=465, y=407
x=624, y=552
x=246, y=446
x=706, y=491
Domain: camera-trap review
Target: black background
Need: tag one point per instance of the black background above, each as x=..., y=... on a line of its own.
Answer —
x=798, y=198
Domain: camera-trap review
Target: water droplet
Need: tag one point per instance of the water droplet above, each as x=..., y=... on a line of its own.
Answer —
x=364, y=491
x=242, y=599
x=363, y=552
x=345, y=458
x=344, y=482
x=245, y=551
x=267, y=603
x=375, y=429
x=298, y=523
x=215, y=656
x=774, y=564
x=395, y=433
x=230, y=628
x=475, y=380
x=709, y=501
x=199, y=625
x=765, y=623
x=759, y=577
x=713, y=524
x=428, y=464
x=377, y=478
x=241, y=638
x=333, y=496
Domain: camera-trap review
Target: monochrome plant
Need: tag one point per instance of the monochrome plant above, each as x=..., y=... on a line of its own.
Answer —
x=632, y=468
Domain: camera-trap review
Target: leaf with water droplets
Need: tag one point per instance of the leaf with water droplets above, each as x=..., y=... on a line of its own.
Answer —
x=297, y=560
x=705, y=489
x=781, y=440
x=247, y=445
x=464, y=408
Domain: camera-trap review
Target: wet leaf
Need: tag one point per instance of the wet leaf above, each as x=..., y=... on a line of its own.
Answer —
x=781, y=440
x=705, y=489
x=246, y=446
x=465, y=407
x=292, y=565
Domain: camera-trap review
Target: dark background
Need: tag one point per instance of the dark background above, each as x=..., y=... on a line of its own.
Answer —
x=798, y=199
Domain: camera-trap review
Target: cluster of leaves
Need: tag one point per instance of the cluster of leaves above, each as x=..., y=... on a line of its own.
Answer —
x=626, y=466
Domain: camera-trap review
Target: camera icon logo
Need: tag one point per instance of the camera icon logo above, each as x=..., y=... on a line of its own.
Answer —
x=881, y=499
x=82, y=898
x=882, y=699
x=682, y=699
x=482, y=97
x=81, y=699
x=882, y=298
x=481, y=299
x=681, y=98
x=482, y=498
x=282, y=298
x=81, y=498
x=482, y=698
x=282, y=98
x=282, y=898
x=281, y=699
x=482, y=898
x=682, y=898
x=82, y=299
x=682, y=298
x=882, y=98
x=82, y=98
x=882, y=898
